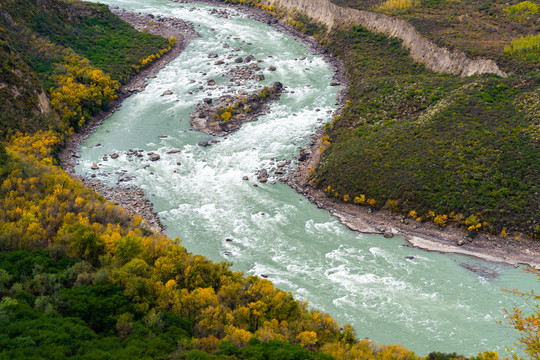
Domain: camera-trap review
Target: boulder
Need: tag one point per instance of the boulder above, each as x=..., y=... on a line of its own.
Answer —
x=238, y=60
x=167, y=92
x=154, y=157
x=94, y=166
x=388, y=234
x=272, y=68
x=212, y=56
x=114, y=156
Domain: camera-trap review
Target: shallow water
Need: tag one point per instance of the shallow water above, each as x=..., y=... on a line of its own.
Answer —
x=430, y=303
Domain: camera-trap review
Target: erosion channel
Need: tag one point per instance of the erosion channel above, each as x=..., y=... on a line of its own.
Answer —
x=390, y=292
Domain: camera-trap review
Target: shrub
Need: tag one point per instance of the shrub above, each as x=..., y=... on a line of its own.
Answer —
x=522, y=11
x=440, y=220
x=526, y=47
x=397, y=4
x=359, y=199
x=391, y=205
x=226, y=116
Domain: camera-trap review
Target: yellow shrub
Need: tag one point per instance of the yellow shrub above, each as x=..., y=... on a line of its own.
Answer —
x=397, y=4
x=441, y=220
x=522, y=11
x=307, y=339
x=360, y=199
x=524, y=45
x=226, y=116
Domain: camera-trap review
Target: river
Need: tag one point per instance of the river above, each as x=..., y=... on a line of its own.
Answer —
x=429, y=303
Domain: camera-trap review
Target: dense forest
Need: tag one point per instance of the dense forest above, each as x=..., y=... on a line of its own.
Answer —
x=80, y=278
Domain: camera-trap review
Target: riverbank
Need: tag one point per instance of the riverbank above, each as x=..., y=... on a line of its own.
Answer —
x=427, y=236
x=423, y=235
x=131, y=198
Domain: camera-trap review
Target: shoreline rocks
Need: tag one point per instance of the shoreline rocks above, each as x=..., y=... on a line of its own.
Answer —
x=132, y=199
x=226, y=114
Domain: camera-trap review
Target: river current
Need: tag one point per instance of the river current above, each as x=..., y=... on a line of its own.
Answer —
x=430, y=303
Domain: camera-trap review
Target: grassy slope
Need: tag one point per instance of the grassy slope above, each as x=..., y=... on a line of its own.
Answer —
x=480, y=28
x=436, y=144
x=37, y=38
x=129, y=293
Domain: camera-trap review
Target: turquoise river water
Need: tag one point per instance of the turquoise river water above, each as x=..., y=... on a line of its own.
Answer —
x=431, y=303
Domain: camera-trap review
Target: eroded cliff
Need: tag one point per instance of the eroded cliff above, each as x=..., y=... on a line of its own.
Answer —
x=422, y=50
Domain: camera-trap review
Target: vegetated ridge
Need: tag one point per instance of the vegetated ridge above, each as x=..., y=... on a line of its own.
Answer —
x=434, y=147
x=78, y=276
x=435, y=58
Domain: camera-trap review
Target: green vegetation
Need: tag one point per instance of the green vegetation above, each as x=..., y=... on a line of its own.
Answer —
x=436, y=147
x=478, y=28
x=527, y=48
x=522, y=11
x=450, y=149
x=78, y=276
x=95, y=33
x=60, y=72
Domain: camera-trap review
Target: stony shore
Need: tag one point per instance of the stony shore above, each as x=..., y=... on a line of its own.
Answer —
x=426, y=236
x=131, y=198
x=208, y=119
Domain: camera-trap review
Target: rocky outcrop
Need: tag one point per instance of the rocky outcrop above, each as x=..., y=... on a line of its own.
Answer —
x=226, y=114
x=422, y=50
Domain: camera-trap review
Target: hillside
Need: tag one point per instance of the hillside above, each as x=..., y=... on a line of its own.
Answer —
x=81, y=278
x=432, y=146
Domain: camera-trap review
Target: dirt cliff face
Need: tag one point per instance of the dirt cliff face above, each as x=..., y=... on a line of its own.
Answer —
x=422, y=50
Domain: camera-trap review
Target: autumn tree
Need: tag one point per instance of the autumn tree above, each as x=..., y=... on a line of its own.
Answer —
x=526, y=322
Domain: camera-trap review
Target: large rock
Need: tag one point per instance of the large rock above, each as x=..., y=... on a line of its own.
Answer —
x=154, y=157
x=209, y=116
